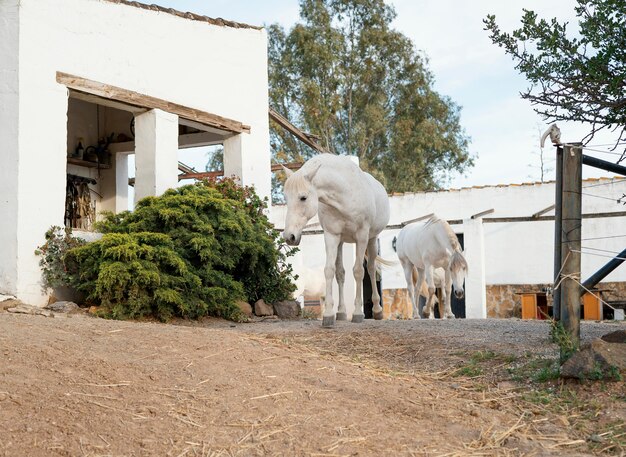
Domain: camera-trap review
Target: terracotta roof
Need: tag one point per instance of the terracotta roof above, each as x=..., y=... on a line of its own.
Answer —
x=523, y=184
x=187, y=15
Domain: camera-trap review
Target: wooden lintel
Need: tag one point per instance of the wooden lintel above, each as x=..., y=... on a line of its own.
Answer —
x=132, y=98
x=90, y=98
x=295, y=131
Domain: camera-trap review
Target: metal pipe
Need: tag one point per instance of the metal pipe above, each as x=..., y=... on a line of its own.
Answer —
x=603, y=272
x=604, y=165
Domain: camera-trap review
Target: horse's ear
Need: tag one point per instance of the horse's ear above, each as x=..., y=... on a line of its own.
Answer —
x=287, y=171
x=311, y=174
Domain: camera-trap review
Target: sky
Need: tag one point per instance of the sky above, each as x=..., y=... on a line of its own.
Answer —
x=477, y=75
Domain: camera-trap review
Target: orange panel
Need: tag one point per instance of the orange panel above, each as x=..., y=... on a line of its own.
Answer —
x=529, y=306
x=592, y=307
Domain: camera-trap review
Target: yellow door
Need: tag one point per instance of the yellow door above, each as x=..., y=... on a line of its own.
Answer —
x=592, y=307
x=529, y=306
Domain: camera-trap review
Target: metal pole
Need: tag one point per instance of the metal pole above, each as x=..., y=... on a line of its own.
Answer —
x=603, y=272
x=571, y=221
x=558, y=229
x=604, y=165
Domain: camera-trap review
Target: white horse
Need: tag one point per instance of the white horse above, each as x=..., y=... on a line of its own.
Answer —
x=352, y=207
x=426, y=246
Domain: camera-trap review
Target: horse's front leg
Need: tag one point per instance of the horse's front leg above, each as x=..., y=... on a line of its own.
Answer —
x=340, y=275
x=447, y=312
x=377, y=310
x=430, y=283
x=332, y=244
x=359, y=272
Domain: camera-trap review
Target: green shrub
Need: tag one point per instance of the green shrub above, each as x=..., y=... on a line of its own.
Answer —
x=56, y=272
x=191, y=252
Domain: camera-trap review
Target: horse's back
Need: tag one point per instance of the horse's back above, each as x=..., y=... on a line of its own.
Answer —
x=409, y=243
x=381, y=204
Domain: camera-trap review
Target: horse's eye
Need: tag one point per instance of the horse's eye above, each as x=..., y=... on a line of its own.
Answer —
x=302, y=199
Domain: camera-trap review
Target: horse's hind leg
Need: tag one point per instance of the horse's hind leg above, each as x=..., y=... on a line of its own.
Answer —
x=408, y=275
x=340, y=275
x=377, y=310
x=332, y=243
x=359, y=272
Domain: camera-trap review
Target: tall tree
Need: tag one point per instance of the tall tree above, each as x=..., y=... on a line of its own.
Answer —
x=344, y=74
x=575, y=75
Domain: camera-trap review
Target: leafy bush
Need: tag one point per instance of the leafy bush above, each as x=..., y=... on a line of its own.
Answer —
x=56, y=273
x=191, y=252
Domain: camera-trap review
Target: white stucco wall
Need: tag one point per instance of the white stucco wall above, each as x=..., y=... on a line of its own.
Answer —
x=9, y=127
x=513, y=252
x=217, y=69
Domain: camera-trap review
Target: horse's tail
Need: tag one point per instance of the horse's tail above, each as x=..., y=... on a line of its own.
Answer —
x=385, y=262
x=381, y=261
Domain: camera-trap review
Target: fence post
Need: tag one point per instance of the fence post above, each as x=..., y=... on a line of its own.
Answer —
x=558, y=229
x=571, y=234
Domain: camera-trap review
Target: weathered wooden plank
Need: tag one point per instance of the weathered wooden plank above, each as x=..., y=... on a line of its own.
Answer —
x=570, y=243
x=295, y=131
x=132, y=98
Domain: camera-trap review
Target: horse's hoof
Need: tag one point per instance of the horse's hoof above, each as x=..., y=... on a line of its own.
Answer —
x=328, y=321
x=342, y=317
x=357, y=318
x=378, y=316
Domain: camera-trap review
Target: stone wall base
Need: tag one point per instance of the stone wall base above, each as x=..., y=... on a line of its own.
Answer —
x=503, y=301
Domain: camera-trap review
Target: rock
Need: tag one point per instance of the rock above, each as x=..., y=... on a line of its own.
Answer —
x=245, y=307
x=6, y=297
x=263, y=309
x=33, y=310
x=10, y=302
x=288, y=309
x=598, y=360
x=63, y=307
x=618, y=336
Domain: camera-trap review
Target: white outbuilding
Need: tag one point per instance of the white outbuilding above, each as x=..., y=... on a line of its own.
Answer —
x=508, y=236
x=86, y=83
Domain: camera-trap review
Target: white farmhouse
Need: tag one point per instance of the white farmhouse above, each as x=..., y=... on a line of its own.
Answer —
x=78, y=74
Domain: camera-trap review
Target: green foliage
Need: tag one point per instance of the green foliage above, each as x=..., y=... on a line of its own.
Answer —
x=344, y=74
x=559, y=335
x=193, y=251
x=57, y=270
x=575, y=75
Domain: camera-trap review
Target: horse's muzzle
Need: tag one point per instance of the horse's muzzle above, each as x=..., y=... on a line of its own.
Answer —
x=459, y=293
x=291, y=239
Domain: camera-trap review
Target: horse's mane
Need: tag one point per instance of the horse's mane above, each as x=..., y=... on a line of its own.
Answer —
x=454, y=241
x=297, y=183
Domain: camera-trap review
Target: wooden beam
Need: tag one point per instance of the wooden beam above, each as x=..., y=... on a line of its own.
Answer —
x=201, y=175
x=545, y=210
x=90, y=98
x=291, y=166
x=482, y=213
x=295, y=131
x=132, y=98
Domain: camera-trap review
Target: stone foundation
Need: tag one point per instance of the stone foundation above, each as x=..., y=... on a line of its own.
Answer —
x=397, y=304
x=503, y=301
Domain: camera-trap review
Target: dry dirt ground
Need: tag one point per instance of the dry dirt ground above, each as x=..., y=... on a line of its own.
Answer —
x=81, y=386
